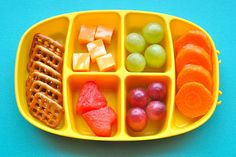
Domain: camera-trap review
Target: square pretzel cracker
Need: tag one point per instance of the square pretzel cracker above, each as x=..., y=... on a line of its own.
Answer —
x=39, y=86
x=34, y=76
x=45, y=69
x=47, y=57
x=46, y=110
x=47, y=42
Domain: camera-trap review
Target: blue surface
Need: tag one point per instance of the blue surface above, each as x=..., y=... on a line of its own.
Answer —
x=216, y=137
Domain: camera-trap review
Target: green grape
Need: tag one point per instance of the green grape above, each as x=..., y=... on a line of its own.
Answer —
x=155, y=56
x=135, y=43
x=153, y=33
x=135, y=62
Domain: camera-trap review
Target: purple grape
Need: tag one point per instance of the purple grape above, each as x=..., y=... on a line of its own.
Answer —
x=136, y=119
x=156, y=110
x=138, y=97
x=157, y=91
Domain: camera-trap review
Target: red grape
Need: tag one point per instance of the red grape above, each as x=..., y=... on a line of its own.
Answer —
x=136, y=119
x=156, y=110
x=157, y=91
x=138, y=97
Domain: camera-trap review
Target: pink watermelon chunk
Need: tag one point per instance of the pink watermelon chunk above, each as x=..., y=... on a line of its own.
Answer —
x=101, y=120
x=90, y=98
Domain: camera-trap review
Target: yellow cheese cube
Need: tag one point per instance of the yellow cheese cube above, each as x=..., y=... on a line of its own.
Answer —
x=106, y=63
x=96, y=49
x=81, y=61
x=104, y=33
x=86, y=34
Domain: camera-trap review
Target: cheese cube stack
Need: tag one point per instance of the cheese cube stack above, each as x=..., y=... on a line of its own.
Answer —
x=94, y=38
x=96, y=49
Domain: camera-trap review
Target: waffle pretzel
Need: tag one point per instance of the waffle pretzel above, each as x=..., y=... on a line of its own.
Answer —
x=47, y=57
x=34, y=76
x=46, y=110
x=39, y=86
x=45, y=69
x=47, y=42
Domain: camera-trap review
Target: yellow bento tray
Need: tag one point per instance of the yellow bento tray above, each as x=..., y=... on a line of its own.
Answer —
x=114, y=85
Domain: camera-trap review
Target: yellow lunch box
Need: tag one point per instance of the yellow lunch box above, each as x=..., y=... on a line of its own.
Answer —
x=114, y=85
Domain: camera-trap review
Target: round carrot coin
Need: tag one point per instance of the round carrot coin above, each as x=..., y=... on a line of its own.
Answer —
x=194, y=73
x=195, y=37
x=192, y=54
x=193, y=100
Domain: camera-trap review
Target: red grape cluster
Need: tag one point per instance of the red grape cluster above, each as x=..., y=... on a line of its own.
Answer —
x=146, y=103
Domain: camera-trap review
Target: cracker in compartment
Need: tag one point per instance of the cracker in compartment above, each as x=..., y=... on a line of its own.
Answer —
x=39, y=86
x=46, y=110
x=47, y=57
x=34, y=76
x=47, y=42
x=45, y=69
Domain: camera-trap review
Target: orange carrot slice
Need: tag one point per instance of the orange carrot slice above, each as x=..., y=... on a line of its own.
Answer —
x=192, y=54
x=193, y=100
x=195, y=37
x=194, y=73
x=86, y=34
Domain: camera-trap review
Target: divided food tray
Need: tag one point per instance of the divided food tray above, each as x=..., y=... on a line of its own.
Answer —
x=114, y=85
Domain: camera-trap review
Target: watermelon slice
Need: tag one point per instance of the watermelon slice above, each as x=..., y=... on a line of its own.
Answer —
x=101, y=120
x=90, y=98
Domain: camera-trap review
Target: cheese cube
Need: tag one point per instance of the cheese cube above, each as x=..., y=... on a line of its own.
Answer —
x=104, y=33
x=81, y=61
x=96, y=49
x=106, y=63
x=86, y=34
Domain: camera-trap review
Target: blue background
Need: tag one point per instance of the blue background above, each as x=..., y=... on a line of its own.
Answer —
x=216, y=137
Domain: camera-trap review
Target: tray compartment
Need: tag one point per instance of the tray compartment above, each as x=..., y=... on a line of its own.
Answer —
x=109, y=85
x=153, y=127
x=134, y=22
x=55, y=28
x=179, y=122
x=108, y=19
